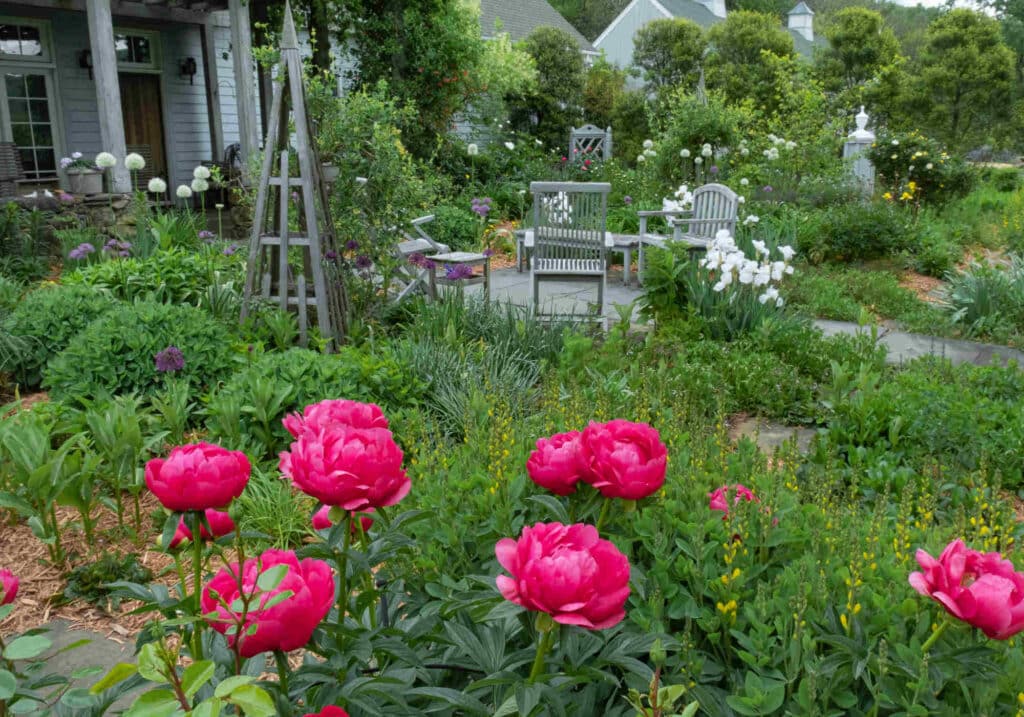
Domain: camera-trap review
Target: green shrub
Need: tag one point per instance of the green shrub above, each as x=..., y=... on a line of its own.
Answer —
x=909, y=162
x=457, y=227
x=10, y=293
x=176, y=276
x=246, y=411
x=936, y=249
x=858, y=230
x=26, y=242
x=1005, y=180
x=988, y=300
x=48, y=319
x=116, y=352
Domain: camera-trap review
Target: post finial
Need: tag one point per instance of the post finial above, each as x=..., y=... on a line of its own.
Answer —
x=289, y=38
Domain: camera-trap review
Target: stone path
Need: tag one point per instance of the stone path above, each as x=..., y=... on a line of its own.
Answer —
x=102, y=652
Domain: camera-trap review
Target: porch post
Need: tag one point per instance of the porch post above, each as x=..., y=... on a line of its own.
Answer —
x=206, y=32
x=108, y=90
x=245, y=85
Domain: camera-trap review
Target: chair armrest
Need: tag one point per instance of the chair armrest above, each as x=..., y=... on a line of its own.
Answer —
x=609, y=240
x=422, y=220
x=661, y=213
x=528, y=240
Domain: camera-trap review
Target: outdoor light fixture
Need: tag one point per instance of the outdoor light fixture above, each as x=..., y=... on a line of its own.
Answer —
x=189, y=68
x=85, y=61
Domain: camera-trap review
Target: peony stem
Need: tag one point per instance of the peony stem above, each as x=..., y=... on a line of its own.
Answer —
x=543, y=645
x=934, y=637
x=197, y=582
x=604, y=513
x=282, y=672
x=343, y=568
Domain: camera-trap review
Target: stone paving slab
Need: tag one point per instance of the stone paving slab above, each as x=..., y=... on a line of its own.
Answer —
x=769, y=435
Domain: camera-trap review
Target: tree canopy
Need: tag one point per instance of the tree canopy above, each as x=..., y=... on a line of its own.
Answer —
x=669, y=52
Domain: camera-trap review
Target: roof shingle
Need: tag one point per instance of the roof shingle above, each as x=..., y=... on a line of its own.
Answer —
x=521, y=17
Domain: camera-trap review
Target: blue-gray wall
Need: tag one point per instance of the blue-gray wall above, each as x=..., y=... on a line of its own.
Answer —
x=618, y=43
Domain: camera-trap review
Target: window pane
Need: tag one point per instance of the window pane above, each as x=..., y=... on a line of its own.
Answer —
x=31, y=42
x=15, y=85
x=28, y=160
x=19, y=110
x=36, y=85
x=22, y=134
x=121, y=48
x=42, y=136
x=141, y=51
x=40, y=110
x=45, y=161
x=9, y=44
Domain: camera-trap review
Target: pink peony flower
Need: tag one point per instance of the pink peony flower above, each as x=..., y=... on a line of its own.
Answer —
x=354, y=468
x=8, y=587
x=557, y=463
x=334, y=411
x=982, y=589
x=329, y=711
x=322, y=520
x=719, y=499
x=220, y=523
x=289, y=624
x=623, y=459
x=198, y=476
x=566, y=571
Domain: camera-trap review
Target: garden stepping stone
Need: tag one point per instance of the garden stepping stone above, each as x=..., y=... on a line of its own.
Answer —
x=769, y=435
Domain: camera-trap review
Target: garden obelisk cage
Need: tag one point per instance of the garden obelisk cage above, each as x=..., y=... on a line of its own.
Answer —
x=293, y=257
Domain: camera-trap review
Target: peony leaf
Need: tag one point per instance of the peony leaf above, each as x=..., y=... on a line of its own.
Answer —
x=150, y=665
x=253, y=701
x=8, y=684
x=207, y=708
x=196, y=675
x=118, y=673
x=158, y=703
x=277, y=598
x=27, y=647
x=269, y=579
x=228, y=685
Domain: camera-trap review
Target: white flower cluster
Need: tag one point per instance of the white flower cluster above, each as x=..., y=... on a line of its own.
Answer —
x=771, y=154
x=732, y=266
x=705, y=151
x=682, y=202
x=558, y=208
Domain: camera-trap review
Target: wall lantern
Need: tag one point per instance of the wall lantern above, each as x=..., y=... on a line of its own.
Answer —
x=85, y=61
x=189, y=68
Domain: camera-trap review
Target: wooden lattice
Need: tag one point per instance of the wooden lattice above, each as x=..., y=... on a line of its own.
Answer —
x=590, y=141
x=273, y=270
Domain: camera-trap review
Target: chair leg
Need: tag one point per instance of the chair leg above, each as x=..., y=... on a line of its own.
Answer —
x=640, y=263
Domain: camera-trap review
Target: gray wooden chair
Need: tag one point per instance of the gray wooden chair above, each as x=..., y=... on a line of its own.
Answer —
x=569, y=241
x=715, y=207
x=410, y=277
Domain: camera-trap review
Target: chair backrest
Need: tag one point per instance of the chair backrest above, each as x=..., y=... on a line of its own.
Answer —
x=714, y=208
x=591, y=141
x=569, y=219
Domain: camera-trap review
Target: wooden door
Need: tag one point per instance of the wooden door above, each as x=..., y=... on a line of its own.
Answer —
x=143, y=122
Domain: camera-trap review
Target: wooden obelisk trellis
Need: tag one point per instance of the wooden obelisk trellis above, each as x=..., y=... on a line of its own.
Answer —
x=319, y=283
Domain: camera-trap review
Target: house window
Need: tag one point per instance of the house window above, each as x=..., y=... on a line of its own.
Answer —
x=137, y=50
x=30, y=122
x=23, y=40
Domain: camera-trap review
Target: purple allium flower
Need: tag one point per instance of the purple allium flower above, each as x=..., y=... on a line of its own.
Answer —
x=66, y=162
x=351, y=245
x=457, y=272
x=169, y=360
x=767, y=189
x=230, y=250
x=481, y=206
x=363, y=262
x=124, y=253
x=207, y=236
x=627, y=200
x=111, y=245
x=331, y=255
x=488, y=252
x=124, y=245
x=714, y=169
x=81, y=251
x=295, y=196
x=65, y=197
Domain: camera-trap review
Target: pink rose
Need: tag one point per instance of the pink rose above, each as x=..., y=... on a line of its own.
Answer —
x=289, y=624
x=719, y=499
x=557, y=463
x=332, y=411
x=624, y=459
x=354, y=468
x=220, y=523
x=198, y=476
x=566, y=571
x=8, y=587
x=982, y=589
x=322, y=520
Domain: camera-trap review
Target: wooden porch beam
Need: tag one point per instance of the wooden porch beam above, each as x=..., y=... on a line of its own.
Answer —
x=207, y=35
x=245, y=85
x=108, y=89
x=155, y=11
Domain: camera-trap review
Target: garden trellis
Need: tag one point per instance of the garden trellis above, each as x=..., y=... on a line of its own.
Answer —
x=270, y=272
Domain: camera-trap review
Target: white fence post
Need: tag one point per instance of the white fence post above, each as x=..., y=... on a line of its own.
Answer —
x=856, y=148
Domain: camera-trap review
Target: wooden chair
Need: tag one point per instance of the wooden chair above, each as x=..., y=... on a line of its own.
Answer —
x=412, y=277
x=715, y=207
x=569, y=242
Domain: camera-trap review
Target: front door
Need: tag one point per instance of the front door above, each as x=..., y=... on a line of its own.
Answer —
x=143, y=122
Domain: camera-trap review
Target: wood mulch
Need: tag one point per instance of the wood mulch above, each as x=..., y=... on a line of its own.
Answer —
x=926, y=288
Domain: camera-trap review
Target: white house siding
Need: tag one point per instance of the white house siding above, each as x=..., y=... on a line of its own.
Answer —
x=617, y=43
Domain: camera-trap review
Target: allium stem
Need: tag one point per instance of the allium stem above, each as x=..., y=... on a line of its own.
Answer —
x=543, y=646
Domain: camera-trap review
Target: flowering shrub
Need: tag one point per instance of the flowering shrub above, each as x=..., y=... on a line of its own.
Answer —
x=912, y=170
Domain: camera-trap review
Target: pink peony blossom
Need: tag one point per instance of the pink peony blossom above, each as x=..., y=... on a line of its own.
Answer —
x=322, y=520
x=220, y=523
x=623, y=459
x=557, y=463
x=198, y=476
x=719, y=499
x=335, y=411
x=8, y=587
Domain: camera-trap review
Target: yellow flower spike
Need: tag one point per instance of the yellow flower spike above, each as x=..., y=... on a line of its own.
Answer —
x=845, y=623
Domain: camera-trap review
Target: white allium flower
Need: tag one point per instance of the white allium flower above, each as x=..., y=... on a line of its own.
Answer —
x=183, y=191
x=787, y=252
x=684, y=153
x=751, y=219
x=744, y=182
x=76, y=155
x=698, y=160
x=472, y=150
x=790, y=145
x=157, y=185
x=706, y=151
x=218, y=206
x=200, y=185
x=134, y=162
x=773, y=139
x=892, y=156
x=538, y=143
x=744, y=151
x=510, y=146
x=895, y=143
x=650, y=153
x=648, y=144
x=105, y=160
x=201, y=172
x=929, y=166
x=641, y=158
x=741, y=199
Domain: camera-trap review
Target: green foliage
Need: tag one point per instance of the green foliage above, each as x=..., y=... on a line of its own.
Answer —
x=989, y=300
x=175, y=276
x=557, y=102
x=26, y=242
x=90, y=581
x=115, y=353
x=247, y=410
x=914, y=169
x=690, y=124
x=739, y=64
x=669, y=53
x=47, y=319
x=630, y=124
x=859, y=46
x=964, y=78
x=858, y=230
x=458, y=227
x=603, y=88
x=270, y=507
x=10, y=293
